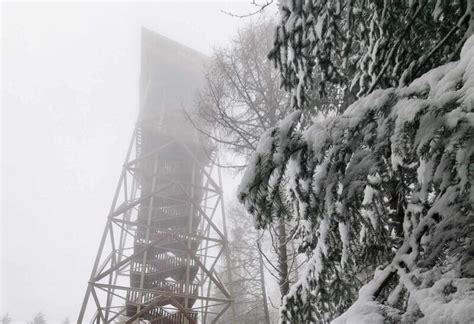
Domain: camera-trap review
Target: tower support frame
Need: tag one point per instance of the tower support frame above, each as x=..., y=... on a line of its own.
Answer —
x=165, y=249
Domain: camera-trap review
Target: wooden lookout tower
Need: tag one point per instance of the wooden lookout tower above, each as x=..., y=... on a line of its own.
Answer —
x=165, y=232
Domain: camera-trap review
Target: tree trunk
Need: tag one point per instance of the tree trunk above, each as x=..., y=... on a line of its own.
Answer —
x=283, y=258
x=470, y=29
x=264, y=290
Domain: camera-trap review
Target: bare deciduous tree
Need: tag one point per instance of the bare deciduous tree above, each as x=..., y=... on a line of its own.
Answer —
x=248, y=275
x=242, y=99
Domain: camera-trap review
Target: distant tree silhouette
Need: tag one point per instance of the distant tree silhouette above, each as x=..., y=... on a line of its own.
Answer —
x=6, y=319
x=38, y=319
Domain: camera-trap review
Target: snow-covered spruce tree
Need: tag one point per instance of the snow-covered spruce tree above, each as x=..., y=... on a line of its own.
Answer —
x=383, y=197
x=364, y=45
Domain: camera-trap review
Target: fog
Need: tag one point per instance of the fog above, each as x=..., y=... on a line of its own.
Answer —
x=69, y=103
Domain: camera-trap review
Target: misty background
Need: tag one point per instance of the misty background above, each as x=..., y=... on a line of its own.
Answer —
x=69, y=103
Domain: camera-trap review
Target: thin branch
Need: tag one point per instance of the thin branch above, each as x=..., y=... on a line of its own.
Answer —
x=253, y=13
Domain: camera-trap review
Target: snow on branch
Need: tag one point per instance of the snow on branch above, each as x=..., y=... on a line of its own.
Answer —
x=364, y=45
x=382, y=195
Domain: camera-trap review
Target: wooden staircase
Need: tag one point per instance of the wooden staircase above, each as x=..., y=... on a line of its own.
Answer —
x=162, y=267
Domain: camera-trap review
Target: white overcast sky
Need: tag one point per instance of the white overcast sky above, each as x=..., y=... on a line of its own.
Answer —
x=69, y=102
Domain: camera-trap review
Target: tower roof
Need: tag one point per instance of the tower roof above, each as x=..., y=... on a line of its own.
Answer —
x=171, y=73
